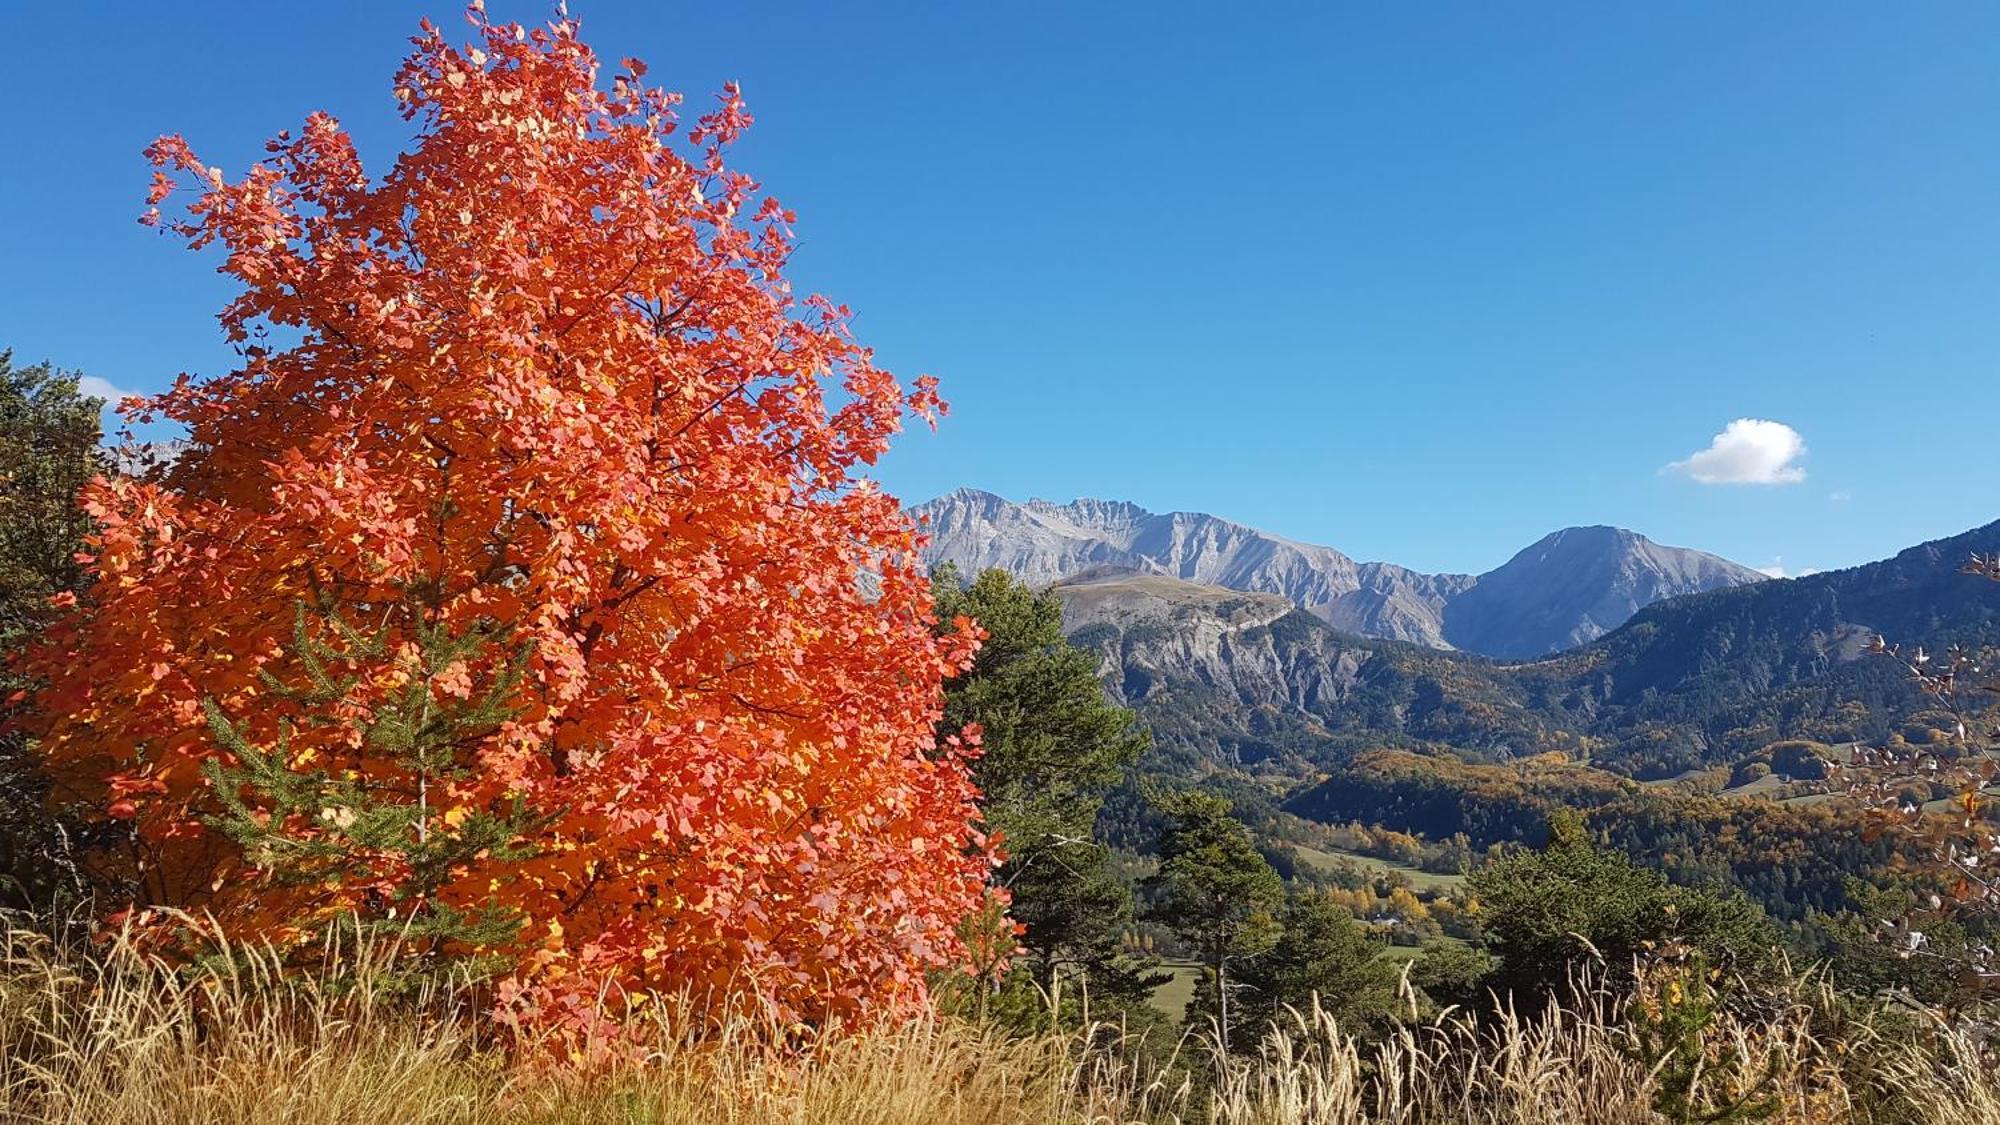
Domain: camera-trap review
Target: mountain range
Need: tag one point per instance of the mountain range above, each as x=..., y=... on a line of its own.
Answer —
x=1248, y=683
x=1568, y=588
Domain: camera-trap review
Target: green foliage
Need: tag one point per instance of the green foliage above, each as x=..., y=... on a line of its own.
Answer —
x=1749, y=771
x=1051, y=749
x=48, y=450
x=367, y=831
x=1674, y=1015
x=1215, y=892
x=1799, y=758
x=1894, y=943
x=1321, y=955
x=1451, y=974
x=49, y=432
x=1548, y=912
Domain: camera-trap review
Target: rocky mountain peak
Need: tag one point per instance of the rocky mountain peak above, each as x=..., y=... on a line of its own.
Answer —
x=1087, y=512
x=1574, y=585
x=1565, y=589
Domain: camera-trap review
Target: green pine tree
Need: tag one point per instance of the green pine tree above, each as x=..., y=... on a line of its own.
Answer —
x=49, y=431
x=1547, y=912
x=1323, y=958
x=1217, y=893
x=362, y=828
x=1052, y=747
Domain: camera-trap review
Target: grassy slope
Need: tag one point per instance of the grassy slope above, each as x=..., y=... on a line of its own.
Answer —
x=1172, y=997
x=1334, y=859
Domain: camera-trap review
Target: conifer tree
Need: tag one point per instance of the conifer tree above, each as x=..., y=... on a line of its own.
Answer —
x=1322, y=958
x=1216, y=892
x=1546, y=912
x=311, y=819
x=49, y=450
x=1051, y=748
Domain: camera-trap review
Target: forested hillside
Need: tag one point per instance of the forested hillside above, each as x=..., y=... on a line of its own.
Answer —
x=1678, y=735
x=1688, y=683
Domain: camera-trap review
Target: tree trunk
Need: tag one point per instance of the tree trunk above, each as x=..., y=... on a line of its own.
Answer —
x=1222, y=1001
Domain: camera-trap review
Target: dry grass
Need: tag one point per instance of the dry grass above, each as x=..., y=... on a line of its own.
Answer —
x=120, y=1038
x=115, y=1038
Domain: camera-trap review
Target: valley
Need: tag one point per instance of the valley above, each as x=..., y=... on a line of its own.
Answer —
x=1694, y=720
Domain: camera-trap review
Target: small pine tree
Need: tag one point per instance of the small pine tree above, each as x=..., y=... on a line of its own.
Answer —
x=1547, y=911
x=393, y=834
x=1675, y=1027
x=1217, y=893
x=1322, y=958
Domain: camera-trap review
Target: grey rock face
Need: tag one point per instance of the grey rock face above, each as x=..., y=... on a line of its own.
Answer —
x=1231, y=676
x=140, y=458
x=1570, y=588
x=1575, y=585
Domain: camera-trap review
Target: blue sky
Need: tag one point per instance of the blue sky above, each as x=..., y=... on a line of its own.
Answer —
x=1422, y=282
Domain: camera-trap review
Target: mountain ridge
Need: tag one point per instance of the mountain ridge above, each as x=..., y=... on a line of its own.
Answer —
x=1535, y=603
x=1227, y=679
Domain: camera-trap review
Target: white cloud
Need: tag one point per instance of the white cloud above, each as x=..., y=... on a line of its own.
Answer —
x=1777, y=569
x=102, y=388
x=1840, y=497
x=1747, y=451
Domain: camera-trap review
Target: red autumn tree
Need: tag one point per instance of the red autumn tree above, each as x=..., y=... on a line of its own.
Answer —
x=520, y=584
